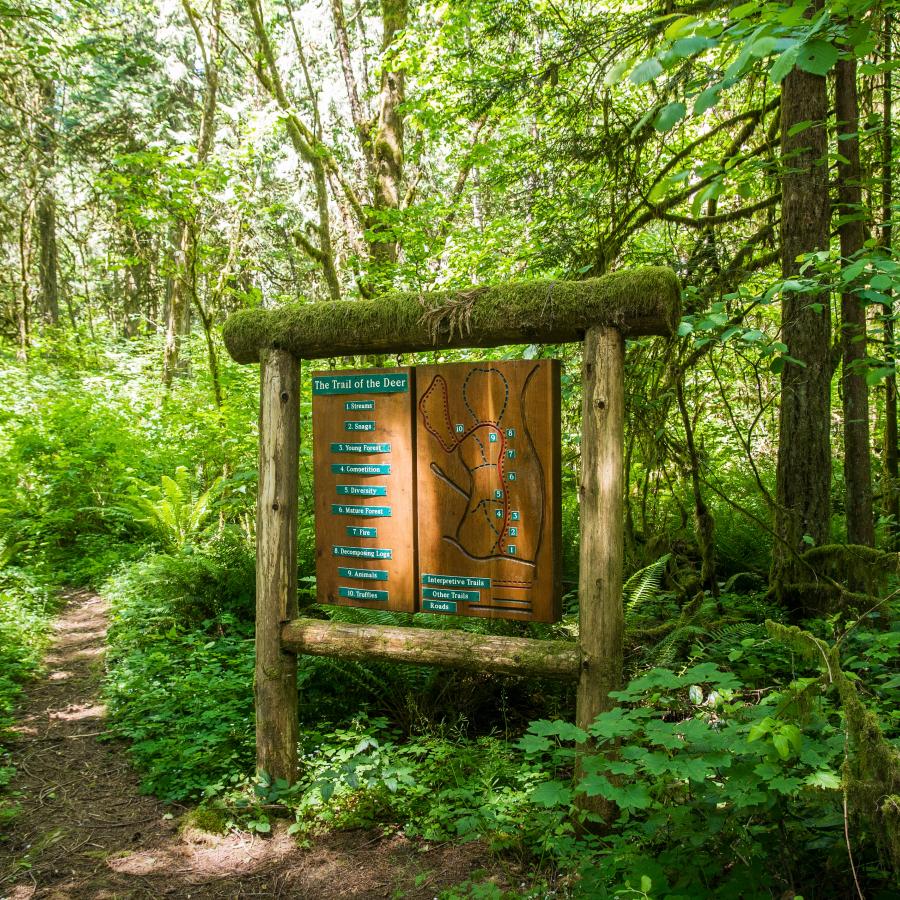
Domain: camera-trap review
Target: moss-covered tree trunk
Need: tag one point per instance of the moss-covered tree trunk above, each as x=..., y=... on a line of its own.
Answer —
x=48, y=269
x=388, y=140
x=803, y=478
x=184, y=285
x=857, y=463
x=890, y=454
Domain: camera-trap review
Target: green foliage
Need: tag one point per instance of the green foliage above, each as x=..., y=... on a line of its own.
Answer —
x=26, y=606
x=699, y=768
x=185, y=703
x=180, y=663
x=175, y=512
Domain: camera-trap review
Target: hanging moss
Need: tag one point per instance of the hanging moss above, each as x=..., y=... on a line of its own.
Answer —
x=854, y=564
x=872, y=770
x=640, y=302
x=842, y=577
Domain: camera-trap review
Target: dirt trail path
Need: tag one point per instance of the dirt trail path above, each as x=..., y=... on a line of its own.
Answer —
x=85, y=831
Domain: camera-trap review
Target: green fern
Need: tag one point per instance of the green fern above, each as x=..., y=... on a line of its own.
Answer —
x=173, y=511
x=643, y=586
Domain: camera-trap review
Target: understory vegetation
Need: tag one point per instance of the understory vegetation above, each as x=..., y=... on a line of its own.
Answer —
x=730, y=748
x=169, y=164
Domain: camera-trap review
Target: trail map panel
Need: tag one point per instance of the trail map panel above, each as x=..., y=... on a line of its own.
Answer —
x=364, y=465
x=488, y=484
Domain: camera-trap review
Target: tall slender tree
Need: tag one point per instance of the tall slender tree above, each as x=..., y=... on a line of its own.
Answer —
x=184, y=287
x=857, y=462
x=803, y=475
x=889, y=438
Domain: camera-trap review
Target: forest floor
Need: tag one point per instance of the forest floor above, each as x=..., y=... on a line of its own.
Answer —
x=85, y=831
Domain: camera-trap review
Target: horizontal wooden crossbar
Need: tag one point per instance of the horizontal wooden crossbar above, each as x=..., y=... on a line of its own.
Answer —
x=451, y=649
x=637, y=302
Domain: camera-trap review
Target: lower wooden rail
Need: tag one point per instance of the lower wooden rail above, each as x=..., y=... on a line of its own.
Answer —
x=450, y=649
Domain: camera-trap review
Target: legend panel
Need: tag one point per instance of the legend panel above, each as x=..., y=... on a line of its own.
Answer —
x=363, y=461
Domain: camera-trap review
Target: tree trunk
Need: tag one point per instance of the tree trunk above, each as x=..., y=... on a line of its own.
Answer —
x=23, y=305
x=704, y=524
x=184, y=288
x=48, y=269
x=49, y=265
x=803, y=477
x=601, y=616
x=275, y=683
x=891, y=494
x=857, y=462
x=449, y=649
x=388, y=150
x=136, y=287
x=178, y=319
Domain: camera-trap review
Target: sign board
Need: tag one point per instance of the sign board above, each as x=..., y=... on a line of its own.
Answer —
x=363, y=454
x=438, y=489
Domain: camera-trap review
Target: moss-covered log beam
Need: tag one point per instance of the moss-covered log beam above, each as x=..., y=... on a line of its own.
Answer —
x=637, y=302
x=449, y=649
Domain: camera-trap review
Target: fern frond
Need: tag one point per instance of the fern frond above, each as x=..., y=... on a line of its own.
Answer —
x=644, y=585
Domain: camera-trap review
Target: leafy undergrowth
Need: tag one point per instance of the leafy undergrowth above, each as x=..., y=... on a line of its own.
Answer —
x=731, y=757
x=180, y=668
x=26, y=609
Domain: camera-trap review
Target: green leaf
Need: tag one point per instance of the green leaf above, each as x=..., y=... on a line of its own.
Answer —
x=617, y=72
x=551, y=793
x=669, y=115
x=646, y=71
x=873, y=376
x=763, y=46
x=565, y=731
x=825, y=779
x=881, y=282
x=679, y=27
x=744, y=10
x=783, y=65
x=690, y=46
x=782, y=745
x=797, y=127
x=817, y=57
x=853, y=271
x=613, y=724
x=707, y=99
x=532, y=743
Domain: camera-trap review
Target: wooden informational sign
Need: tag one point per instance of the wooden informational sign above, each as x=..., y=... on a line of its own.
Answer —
x=438, y=489
x=488, y=472
x=363, y=460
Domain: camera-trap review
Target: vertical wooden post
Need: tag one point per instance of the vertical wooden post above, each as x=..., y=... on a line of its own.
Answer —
x=601, y=617
x=275, y=683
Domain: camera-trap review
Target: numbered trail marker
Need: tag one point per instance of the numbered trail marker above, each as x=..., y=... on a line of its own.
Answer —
x=364, y=488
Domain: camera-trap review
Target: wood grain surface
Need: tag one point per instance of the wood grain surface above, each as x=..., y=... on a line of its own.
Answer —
x=365, y=501
x=488, y=472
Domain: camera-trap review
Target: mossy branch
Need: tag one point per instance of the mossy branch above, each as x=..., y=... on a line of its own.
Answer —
x=872, y=769
x=639, y=302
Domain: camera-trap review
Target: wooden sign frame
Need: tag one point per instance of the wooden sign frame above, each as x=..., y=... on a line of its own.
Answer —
x=600, y=312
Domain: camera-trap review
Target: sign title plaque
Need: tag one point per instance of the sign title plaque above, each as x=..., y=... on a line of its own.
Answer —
x=450, y=502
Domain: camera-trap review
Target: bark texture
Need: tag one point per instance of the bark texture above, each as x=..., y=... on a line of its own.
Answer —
x=857, y=465
x=890, y=453
x=803, y=479
x=388, y=149
x=275, y=683
x=184, y=286
x=48, y=268
x=449, y=649
x=601, y=617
